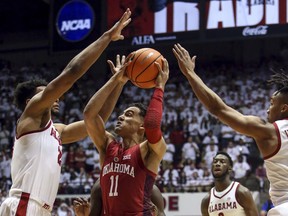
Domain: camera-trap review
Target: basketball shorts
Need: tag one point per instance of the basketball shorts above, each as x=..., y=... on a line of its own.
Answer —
x=11, y=206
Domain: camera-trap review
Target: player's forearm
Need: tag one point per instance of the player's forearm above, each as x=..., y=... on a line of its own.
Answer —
x=96, y=103
x=206, y=96
x=86, y=58
x=152, y=121
x=111, y=101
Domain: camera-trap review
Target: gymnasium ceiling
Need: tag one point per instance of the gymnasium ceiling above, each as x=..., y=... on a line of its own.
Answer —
x=23, y=15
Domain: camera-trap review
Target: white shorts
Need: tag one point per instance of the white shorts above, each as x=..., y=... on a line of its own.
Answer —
x=279, y=210
x=11, y=206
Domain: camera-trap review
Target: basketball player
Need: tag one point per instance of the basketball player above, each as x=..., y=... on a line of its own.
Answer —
x=270, y=136
x=36, y=161
x=227, y=197
x=128, y=167
x=83, y=208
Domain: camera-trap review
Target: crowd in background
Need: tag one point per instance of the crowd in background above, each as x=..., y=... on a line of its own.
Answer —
x=193, y=136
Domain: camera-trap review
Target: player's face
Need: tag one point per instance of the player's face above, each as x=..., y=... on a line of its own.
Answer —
x=274, y=110
x=129, y=122
x=55, y=106
x=220, y=166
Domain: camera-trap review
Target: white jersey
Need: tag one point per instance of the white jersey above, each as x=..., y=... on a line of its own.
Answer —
x=277, y=165
x=225, y=202
x=36, y=165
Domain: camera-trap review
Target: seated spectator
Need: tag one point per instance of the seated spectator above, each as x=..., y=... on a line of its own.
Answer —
x=260, y=173
x=251, y=181
x=194, y=127
x=169, y=155
x=240, y=168
x=232, y=151
x=207, y=180
x=194, y=182
x=80, y=158
x=171, y=177
x=64, y=210
x=210, y=152
x=210, y=138
x=242, y=148
x=182, y=181
x=227, y=134
x=190, y=150
x=92, y=158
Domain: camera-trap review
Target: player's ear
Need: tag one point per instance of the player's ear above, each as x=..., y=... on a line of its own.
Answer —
x=141, y=128
x=27, y=101
x=284, y=108
x=230, y=169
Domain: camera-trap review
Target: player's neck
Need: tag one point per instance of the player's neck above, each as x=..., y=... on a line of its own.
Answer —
x=221, y=185
x=128, y=142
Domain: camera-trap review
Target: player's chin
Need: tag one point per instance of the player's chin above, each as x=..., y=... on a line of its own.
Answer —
x=55, y=111
x=217, y=175
x=117, y=130
x=269, y=120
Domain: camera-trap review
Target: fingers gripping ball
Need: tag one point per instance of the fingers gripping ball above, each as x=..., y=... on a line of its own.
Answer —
x=142, y=71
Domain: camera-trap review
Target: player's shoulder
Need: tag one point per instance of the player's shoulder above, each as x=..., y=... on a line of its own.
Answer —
x=206, y=199
x=59, y=127
x=242, y=192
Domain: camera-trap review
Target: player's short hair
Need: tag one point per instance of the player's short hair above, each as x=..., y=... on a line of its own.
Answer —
x=26, y=90
x=280, y=80
x=227, y=155
x=141, y=107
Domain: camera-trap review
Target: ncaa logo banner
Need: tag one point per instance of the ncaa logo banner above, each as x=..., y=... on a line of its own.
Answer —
x=75, y=20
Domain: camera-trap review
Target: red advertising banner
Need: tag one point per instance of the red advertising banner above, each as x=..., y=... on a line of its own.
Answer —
x=158, y=21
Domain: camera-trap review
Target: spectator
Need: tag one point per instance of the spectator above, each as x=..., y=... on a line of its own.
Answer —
x=190, y=150
x=80, y=158
x=64, y=210
x=210, y=138
x=92, y=158
x=169, y=155
x=240, y=168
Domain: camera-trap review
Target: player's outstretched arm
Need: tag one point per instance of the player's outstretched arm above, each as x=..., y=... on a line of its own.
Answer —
x=77, y=130
x=153, y=117
x=78, y=66
x=109, y=105
x=93, y=120
x=248, y=125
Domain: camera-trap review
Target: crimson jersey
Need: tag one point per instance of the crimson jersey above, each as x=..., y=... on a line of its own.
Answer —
x=126, y=183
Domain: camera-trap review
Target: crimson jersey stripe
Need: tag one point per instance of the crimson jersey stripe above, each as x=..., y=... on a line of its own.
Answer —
x=23, y=203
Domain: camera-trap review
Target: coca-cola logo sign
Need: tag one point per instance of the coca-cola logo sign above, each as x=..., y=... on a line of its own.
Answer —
x=253, y=31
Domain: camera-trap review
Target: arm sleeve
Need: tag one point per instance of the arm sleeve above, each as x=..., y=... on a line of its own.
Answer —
x=152, y=121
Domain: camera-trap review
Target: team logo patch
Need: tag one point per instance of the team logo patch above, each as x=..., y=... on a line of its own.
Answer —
x=127, y=157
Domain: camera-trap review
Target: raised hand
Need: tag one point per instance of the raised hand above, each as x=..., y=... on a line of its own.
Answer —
x=119, y=68
x=185, y=62
x=163, y=73
x=81, y=207
x=115, y=31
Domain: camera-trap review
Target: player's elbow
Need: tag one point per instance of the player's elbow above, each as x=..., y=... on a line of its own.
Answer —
x=88, y=113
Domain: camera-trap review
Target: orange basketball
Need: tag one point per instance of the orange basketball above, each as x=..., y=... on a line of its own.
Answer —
x=142, y=71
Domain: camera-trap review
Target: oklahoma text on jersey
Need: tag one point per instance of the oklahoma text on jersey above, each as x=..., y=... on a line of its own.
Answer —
x=118, y=168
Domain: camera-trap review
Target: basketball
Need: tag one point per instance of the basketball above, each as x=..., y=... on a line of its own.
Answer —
x=142, y=71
